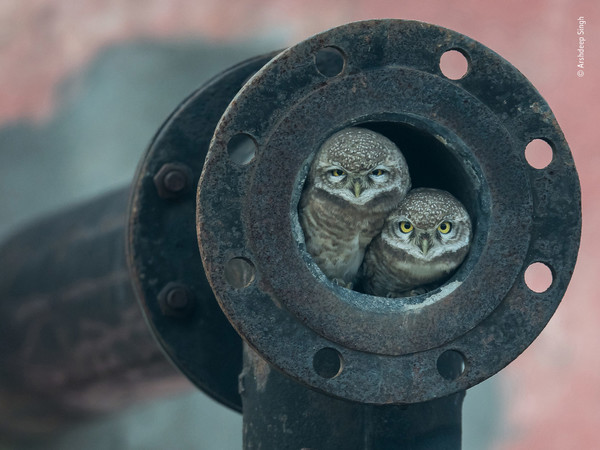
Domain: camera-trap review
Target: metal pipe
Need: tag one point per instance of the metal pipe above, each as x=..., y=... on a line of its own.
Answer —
x=364, y=372
x=281, y=413
x=465, y=136
x=73, y=341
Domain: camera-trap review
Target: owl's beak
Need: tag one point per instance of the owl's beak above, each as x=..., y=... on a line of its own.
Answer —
x=356, y=189
x=425, y=245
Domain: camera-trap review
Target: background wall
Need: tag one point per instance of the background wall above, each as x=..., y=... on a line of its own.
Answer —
x=83, y=87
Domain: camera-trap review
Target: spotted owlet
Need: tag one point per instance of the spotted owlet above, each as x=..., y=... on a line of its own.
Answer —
x=422, y=242
x=357, y=177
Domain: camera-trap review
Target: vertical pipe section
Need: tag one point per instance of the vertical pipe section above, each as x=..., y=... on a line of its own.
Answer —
x=73, y=341
x=279, y=413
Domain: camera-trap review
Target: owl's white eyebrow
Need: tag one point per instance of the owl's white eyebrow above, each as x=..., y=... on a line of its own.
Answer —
x=380, y=166
x=338, y=166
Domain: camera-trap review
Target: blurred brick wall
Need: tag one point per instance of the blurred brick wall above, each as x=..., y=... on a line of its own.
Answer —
x=552, y=392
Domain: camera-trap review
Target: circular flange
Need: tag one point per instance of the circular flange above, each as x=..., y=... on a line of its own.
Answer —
x=163, y=256
x=470, y=131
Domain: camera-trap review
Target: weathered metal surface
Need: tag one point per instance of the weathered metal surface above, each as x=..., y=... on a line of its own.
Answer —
x=282, y=414
x=173, y=180
x=73, y=336
x=467, y=136
x=73, y=341
x=163, y=254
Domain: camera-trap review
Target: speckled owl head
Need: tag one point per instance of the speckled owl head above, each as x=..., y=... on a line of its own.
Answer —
x=360, y=167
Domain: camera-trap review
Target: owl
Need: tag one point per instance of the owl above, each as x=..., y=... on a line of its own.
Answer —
x=356, y=178
x=422, y=242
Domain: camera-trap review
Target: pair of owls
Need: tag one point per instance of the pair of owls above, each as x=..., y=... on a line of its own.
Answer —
x=363, y=227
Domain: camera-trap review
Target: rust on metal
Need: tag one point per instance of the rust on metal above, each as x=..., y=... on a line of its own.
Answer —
x=172, y=179
x=163, y=257
x=467, y=136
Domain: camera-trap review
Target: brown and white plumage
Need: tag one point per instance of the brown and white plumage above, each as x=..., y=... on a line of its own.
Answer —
x=357, y=177
x=422, y=242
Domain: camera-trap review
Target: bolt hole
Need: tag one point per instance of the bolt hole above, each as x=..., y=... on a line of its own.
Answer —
x=538, y=277
x=330, y=61
x=239, y=272
x=242, y=149
x=327, y=362
x=538, y=153
x=454, y=64
x=451, y=364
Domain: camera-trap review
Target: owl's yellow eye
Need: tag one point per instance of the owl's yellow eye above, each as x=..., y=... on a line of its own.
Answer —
x=377, y=172
x=445, y=227
x=337, y=173
x=406, y=227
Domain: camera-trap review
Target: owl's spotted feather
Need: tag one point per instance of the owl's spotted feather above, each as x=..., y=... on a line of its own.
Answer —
x=422, y=242
x=357, y=177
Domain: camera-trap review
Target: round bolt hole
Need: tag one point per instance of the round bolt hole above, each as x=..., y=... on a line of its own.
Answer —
x=538, y=153
x=454, y=64
x=242, y=149
x=329, y=61
x=538, y=277
x=451, y=364
x=327, y=362
x=239, y=272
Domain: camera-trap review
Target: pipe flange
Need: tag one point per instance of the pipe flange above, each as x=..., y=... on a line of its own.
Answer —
x=465, y=135
x=163, y=257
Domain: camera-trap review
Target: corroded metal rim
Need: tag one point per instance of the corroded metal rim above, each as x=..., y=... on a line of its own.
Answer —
x=388, y=350
x=163, y=257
